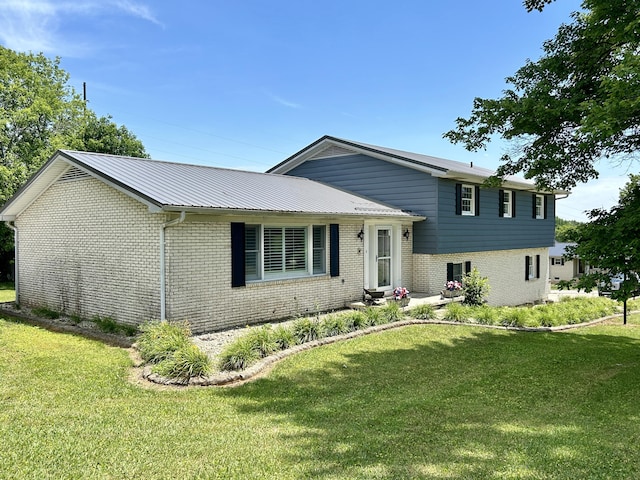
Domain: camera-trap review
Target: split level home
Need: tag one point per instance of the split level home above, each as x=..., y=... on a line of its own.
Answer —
x=137, y=239
x=504, y=232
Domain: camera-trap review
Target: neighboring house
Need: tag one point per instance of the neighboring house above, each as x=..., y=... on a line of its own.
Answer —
x=561, y=268
x=136, y=240
x=505, y=232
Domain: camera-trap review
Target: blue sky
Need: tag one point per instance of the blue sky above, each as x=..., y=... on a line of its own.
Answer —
x=245, y=84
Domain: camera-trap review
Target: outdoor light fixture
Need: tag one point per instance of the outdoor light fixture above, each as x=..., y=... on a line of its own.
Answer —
x=361, y=235
x=406, y=234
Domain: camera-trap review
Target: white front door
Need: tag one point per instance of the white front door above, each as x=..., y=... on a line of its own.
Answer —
x=383, y=250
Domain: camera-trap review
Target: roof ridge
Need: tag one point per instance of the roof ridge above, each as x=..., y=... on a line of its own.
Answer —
x=180, y=164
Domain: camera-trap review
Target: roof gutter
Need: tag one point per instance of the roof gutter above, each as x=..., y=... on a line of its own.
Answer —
x=16, y=279
x=163, y=279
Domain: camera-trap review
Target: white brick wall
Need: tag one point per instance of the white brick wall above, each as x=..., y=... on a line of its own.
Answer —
x=87, y=249
x=199, y=280
x=505, y=270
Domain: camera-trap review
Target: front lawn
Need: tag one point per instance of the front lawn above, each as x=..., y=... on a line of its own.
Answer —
x=416, y=402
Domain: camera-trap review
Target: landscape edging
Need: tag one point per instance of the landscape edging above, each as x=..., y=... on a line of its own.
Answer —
x=237, y=377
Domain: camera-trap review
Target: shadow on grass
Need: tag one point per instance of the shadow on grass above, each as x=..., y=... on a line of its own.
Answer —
x=432, y=402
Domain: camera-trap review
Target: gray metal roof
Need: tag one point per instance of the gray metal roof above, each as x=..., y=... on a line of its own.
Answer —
x=558, y=249
x=177, y=186
x=436, y=166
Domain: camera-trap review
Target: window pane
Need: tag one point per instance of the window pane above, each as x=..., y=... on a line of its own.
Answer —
x=384, y=272
x=457, y=272
x=252, y=252
x=467, y=199
x=506, y=205
x=295, y=249
x=273, y=250
x=319, y=249
x=384, y=243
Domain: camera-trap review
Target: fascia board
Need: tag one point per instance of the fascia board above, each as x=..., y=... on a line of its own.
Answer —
x=49, y=173
x=287, y=215
x=304, y=155
x=33, y=188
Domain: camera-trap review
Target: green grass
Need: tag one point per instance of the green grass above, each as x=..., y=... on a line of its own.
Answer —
x=7, y=292
x=417, y=402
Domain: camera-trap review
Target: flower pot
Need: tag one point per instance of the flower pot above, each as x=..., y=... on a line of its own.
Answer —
x=451, y=293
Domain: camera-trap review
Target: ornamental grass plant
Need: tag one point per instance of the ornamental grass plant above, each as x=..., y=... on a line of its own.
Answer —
x=158, y=340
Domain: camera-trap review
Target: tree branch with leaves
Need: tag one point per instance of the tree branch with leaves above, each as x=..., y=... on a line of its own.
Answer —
x=577, y=104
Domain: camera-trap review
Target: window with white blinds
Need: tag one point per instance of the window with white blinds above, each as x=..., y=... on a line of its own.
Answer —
x=281, y=252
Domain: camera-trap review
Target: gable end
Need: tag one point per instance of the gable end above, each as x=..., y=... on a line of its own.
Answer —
x=73, y=173
x=331, y=151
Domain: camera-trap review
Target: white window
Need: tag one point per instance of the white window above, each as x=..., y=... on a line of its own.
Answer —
x=284, y=251
x=319, y=249
x=506, y=204
x=467, y=200
x=530, y=271
x=539, y=206
x=457, y=272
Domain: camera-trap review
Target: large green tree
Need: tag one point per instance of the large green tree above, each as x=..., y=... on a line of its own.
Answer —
x=39, y=113
x=610, y=243
x=577, y=104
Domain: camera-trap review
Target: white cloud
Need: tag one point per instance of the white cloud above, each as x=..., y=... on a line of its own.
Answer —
x=284, y=102
x=35, y=25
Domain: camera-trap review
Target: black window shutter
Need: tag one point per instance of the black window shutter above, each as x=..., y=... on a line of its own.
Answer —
x=449, y=272
x=546, y=198
x=334, y=249
x=467, y=267
x=477, y=198
x=237, y=255
x=533, y=202
x=537, y=266
x=500, y=203
x=513, y=203
x=458, y=199
x=527, y=262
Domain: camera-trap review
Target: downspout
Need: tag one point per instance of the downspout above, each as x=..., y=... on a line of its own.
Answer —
x=16, y=279
x=163, y=280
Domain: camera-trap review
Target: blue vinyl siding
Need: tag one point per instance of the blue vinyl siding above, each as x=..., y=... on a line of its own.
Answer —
x=488, y=231
x=443, y=231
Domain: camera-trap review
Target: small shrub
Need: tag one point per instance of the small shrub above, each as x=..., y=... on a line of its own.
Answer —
x=373, y=316
x=159, y=340
x=284, y=337
x=106, y=324
x=355, y=320
x=392, y=312
x=238, y=355
x=306, y=330
x=263, y=340
x=485, y=315
x=475, y=288
x=515, y=316
x=424, y=311
x=186, y=362
x=333, y=325
x=45, y=312
x=547, y=316
x=456, y=312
